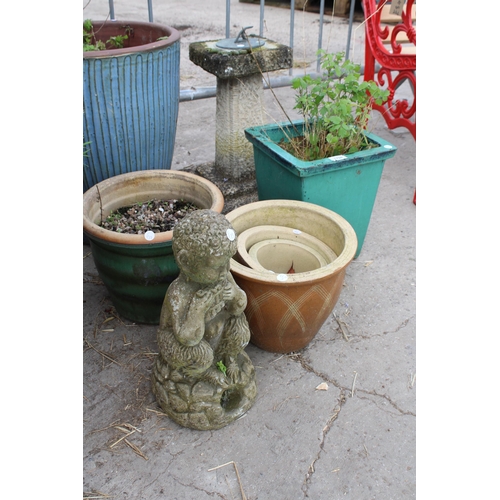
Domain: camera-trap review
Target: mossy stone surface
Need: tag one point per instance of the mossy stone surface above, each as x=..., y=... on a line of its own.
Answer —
x=225, y=63
x=202, y=378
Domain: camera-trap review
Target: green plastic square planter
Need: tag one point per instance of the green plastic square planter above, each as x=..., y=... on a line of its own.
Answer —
x=345, y=184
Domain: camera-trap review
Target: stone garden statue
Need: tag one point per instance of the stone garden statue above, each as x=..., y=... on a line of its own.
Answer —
x=202, y=377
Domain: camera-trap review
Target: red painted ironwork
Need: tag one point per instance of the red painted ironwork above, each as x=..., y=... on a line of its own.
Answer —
x=396, y=67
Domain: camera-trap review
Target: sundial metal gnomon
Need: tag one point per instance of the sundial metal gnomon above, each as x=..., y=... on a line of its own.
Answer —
x=242, y=41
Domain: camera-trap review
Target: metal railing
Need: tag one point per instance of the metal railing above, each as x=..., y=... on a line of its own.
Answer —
x=275, y=82
x=112, y=10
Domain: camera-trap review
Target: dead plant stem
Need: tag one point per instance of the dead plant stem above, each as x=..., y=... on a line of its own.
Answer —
x=243, y=496
x=104, y=355
x=268, y=81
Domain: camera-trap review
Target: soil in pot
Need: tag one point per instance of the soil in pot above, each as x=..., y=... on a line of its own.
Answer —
x=153, y=215
x=301, y=148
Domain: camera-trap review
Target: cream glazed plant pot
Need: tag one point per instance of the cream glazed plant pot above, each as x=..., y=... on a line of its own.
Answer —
x=137, y=269
x=276, y=247
x=286, y=310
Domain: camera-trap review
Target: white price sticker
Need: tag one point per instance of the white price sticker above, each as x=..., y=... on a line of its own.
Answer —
x=397, y=7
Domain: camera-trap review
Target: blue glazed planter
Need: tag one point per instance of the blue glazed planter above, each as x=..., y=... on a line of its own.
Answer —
x=130, y=101
x=345, y=184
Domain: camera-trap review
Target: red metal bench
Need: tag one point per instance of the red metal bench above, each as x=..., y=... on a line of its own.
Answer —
x=391, y=43
x=385, y=45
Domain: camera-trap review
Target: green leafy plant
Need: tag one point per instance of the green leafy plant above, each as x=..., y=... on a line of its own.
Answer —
x=336, y=108
x=90, y=42
x=117, y=41
x=222, y=367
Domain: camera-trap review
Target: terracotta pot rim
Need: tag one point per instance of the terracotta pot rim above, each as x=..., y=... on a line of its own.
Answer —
x=325, y=272
x=95, y=231
x=173, y=37
x=297, y=279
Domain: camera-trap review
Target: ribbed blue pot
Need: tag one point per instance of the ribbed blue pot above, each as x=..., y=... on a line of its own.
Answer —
x=130, y=101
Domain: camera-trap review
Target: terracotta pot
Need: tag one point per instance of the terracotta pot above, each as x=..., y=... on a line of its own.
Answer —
x=137, y=271
x=285, y=311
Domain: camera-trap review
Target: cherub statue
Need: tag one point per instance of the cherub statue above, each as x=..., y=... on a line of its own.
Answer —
x=203, y=330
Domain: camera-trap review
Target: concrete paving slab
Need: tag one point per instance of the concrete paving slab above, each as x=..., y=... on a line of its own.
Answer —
x=355, y=440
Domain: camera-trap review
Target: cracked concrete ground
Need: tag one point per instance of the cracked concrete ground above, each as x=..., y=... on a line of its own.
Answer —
x=354, y=440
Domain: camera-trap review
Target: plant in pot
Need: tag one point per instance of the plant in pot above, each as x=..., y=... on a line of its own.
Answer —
x=130, y=97
x=138, y=268
x=327, y=158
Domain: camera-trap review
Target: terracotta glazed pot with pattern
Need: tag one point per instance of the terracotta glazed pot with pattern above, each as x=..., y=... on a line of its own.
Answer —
x=286, y=310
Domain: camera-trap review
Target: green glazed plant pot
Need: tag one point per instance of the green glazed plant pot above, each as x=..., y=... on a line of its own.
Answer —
x=345, y=184
x=130, y=100
x=135, y=271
